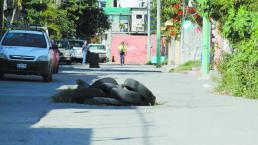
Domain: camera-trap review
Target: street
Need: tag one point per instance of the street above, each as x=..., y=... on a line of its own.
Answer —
x=188, y=112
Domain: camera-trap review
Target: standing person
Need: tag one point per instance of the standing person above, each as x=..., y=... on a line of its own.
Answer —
x=84, y=51
x=122, y=49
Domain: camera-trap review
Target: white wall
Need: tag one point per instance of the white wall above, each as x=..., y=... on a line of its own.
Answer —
x=132, y=3
x=138, y=23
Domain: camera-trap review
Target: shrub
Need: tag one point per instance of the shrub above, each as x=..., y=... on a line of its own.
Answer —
x=240, y=71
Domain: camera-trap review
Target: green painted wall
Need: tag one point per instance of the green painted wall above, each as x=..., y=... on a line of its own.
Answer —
x=117, y=11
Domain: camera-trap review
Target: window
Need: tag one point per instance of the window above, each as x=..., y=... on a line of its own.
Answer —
x=102, y=4
x=96, y=47
x=138, y=16
x=76, y=43
x=62, y=44
x=115, y=3
x=25, y=39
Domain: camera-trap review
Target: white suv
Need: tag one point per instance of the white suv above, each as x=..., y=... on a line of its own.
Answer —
x=26, y=52
x=76, y=46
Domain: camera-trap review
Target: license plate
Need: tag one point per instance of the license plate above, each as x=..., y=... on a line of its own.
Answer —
x=21, y=66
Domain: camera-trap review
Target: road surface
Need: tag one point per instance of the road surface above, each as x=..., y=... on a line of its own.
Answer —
x=188, y=114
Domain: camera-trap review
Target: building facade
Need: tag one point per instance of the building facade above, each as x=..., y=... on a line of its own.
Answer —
x=128, y=16
x=128, y=20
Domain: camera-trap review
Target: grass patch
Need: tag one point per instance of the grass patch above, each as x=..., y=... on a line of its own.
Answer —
x=149, y=63
x=186, y=66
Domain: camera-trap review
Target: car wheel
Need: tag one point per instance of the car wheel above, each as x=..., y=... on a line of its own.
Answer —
x=48, y=77
x=1, y=76
x=136, y=86
x=126, y=96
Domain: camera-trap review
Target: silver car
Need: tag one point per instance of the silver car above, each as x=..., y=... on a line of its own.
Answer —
x=65, y=51
x=76, y=46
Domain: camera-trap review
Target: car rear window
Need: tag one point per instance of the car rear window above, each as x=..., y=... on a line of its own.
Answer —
x=62, y=44
x=76, y=43
x=25, y=39
x=97, y=47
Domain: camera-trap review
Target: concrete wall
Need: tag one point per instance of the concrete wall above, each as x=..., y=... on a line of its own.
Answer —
x=191, y=50
x=136, y=48
x=192, y=45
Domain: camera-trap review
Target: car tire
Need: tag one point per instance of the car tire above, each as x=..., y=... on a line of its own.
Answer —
x=105, y=87
x=136, y=86
x=82, y=84
x=104, y=80
x=126, y=96
x=48, y=77
x=1, y=76
x=82, y=94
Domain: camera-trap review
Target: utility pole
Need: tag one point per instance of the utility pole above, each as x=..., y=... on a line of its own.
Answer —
x=182, y=51
x=149, y=32
x=206, y=46
x=158, y=34
x=206, y=40
x=1, y=16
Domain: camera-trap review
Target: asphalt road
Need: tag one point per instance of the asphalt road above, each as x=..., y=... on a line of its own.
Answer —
x=188, y=114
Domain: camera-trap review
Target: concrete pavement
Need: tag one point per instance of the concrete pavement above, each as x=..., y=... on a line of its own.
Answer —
x=189, y=113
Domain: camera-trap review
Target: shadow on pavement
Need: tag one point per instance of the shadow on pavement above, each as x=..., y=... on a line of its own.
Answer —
x=61, y=136
x=24, y=102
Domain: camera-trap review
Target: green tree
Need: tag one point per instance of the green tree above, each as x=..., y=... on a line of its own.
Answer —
x=89, y=20
x=81, y=19
x=96, y=22
x=17, y=4
x=173, y=12
x=47, y=13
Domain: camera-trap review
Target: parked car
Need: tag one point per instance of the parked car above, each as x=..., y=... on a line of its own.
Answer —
x=65, y=51
x=76, y=49
x=26, y=52
x=99, y=49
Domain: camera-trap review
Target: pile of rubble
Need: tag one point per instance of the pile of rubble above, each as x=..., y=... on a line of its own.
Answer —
x=107, y=91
